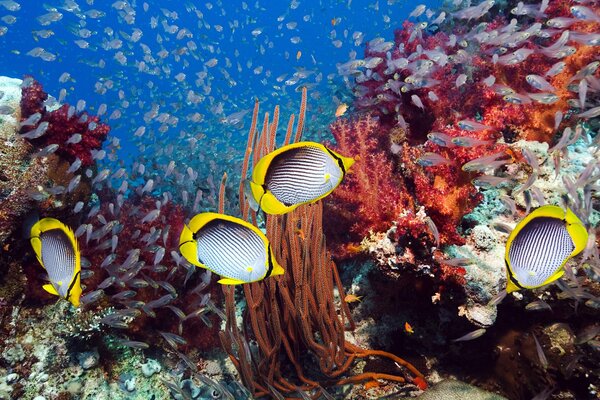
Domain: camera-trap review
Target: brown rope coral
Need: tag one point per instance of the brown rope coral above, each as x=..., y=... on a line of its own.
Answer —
x=297, y=316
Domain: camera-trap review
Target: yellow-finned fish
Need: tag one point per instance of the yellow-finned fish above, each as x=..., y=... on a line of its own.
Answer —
x=540, y=245
x=230, y=247
x=57, y=250
x=295, y=174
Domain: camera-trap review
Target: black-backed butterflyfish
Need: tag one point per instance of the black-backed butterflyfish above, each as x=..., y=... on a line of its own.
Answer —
x=540, y=246
x=295, y=174
x=230, y=247
x=57, y=250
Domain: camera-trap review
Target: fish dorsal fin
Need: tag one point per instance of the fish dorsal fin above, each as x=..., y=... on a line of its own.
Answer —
x=50, y=289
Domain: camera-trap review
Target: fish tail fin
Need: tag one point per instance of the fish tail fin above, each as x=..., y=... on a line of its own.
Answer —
x=511, y=287
x=277, y=269
x=348, y=162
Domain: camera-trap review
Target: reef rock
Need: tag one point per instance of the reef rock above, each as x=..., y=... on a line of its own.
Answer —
x=19, y=172
x=456, y=390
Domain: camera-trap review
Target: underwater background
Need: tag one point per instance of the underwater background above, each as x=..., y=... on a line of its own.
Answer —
x=125, y=119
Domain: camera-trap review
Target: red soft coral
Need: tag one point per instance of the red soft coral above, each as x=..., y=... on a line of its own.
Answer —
x=62, y=124
x=372, y=196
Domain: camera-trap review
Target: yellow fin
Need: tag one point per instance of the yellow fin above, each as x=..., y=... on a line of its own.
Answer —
x=230, y=281
x=271, y=205
x=277, y=270
x=50, y=289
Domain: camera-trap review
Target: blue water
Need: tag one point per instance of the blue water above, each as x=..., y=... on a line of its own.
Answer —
x=236, y=41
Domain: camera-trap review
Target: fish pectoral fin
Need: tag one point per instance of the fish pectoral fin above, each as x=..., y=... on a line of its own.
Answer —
x=230, y=281
x=50, y=289
x=327, y=177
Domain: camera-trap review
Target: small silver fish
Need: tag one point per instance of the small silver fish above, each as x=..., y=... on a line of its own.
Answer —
x=539, y=83
x=466, y=141
x=544, y=98
x=471, y=335
x=46, y=151
x=441, y=139
x=472, y=126
x=417, y=101
x=432, y=160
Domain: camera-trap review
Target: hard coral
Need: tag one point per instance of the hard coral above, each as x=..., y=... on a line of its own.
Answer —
x=63, y=123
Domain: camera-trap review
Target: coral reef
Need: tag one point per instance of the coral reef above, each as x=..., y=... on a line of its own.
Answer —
x=19, y=172
x=76, y=132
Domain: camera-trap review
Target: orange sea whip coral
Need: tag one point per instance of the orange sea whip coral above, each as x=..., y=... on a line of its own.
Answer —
x=296, y=315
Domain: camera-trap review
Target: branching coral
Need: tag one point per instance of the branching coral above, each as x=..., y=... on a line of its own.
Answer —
x=297, y=317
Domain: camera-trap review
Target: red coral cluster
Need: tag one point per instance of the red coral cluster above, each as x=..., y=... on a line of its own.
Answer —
x=372, y=195
x=410, y=86
x=63, y=123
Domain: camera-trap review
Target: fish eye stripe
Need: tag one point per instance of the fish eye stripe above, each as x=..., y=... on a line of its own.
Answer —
x=339, y=161
x=72, y=284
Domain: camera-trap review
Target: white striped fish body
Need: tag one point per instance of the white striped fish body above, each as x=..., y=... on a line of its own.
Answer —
x=58, y=257
x=56, y=249
x=302, y=175
x=296, y=174
x=232, y=250
x=228, y=246
x=540, y=245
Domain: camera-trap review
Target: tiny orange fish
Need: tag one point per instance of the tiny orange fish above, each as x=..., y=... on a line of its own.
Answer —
x=408, y=328
x=420, y=383
x=334, y=21
x=300, y=233
x=341, y=110
x=352, y=298
x=298, y=55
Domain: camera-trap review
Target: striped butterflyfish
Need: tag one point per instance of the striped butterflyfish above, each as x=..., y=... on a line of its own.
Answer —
x=230, y=247
x=295, y=174
x=57, y=250
x=540, y=246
